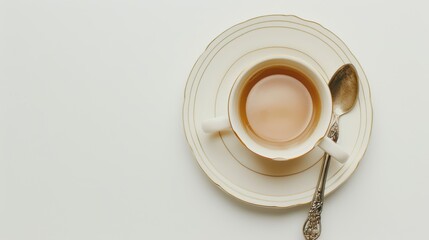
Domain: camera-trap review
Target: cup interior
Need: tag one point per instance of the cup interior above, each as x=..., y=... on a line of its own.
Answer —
x=314, y=131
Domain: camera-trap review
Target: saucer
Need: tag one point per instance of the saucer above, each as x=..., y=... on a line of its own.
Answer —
x=232, y=167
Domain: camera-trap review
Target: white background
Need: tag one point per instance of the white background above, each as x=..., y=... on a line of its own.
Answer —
x=91, y=139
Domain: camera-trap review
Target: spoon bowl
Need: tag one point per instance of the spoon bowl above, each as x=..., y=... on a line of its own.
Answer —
x=344, y=89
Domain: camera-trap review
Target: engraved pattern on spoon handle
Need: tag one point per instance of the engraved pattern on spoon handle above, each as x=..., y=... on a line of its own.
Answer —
x=312, y=226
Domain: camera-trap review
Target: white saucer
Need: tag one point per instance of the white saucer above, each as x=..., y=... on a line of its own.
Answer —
x=223, y=158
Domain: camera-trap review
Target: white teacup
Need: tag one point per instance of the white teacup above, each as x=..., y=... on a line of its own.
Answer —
x=313, y=134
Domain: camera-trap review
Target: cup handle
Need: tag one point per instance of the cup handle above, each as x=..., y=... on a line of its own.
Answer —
x=333, y=149
x=216, y=124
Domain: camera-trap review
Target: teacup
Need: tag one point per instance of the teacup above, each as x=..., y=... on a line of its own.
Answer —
x=280, y=109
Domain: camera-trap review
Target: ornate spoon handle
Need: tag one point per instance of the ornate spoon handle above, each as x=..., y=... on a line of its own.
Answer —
x=312, y=226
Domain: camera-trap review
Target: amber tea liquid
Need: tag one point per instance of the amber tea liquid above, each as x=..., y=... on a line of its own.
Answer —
x=279, y=106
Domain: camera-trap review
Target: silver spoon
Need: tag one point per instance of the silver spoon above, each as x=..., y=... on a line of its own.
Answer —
x=344, y=90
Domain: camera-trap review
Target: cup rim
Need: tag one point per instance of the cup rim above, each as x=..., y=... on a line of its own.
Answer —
x=277, y=154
